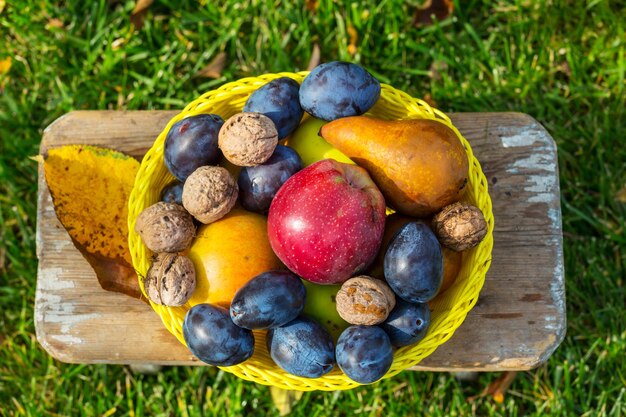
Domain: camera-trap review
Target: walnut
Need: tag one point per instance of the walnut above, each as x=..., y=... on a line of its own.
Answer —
x=248, y=139
x=171, y=280
x=460, y=226
x=165, y=227
x=209, y=193
x=365, y=300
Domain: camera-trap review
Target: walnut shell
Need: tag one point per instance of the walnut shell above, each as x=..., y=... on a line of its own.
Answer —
x=460, y=226
x=165, y=227
x=365, y=300
x=209, y=193
x=248, y=139
x=171, y=280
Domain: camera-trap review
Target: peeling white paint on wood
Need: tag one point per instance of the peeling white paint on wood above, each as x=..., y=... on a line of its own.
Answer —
x=555, y=218
x=66, y=317
x=543, y=186
x=550, y=323
x=557, y=288
x=526, y=136
x=536, y=162
x=51, y=306
x=67, y=339
x=50, y=281
x=541, y=164
x=59, y=245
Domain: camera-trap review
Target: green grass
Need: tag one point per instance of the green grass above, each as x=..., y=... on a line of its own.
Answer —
x=561, y=62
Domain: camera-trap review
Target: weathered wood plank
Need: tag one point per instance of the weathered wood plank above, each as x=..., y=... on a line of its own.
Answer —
x=517, y=323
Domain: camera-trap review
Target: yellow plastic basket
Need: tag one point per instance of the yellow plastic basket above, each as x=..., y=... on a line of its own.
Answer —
x=448, y=310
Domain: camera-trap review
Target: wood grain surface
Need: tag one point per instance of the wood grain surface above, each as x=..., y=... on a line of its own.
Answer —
x=519, y=319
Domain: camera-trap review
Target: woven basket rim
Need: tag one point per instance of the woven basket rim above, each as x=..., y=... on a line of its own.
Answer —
x=256, y=370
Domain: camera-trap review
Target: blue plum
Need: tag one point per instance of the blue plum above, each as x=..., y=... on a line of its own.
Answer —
x=192, y=143
x=413, y=263
x=302, y=347
x=364, y=353
x=338, y=89
x=259, y=184
x=213, y=338
x=268, y=300
x=407, y=323
x=279, y=100
x=173, y=193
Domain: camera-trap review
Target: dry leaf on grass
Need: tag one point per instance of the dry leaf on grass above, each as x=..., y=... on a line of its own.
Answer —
x=312, y=5
x=621, y=195
x=315, y=58
x=90, y=187
x=138, y=14
x=436, y=68
x=441, y=9
x=54, y=23
x=214, y=68
x=497, y=388
x=284, y=400
x=428, y=98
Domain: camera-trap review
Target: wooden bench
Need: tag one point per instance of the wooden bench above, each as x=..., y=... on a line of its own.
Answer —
x=519, y=319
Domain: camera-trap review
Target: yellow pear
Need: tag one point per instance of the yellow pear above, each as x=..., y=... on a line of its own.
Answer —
x=419, y=165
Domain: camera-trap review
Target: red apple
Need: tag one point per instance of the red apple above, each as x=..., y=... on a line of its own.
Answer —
x=326, y=222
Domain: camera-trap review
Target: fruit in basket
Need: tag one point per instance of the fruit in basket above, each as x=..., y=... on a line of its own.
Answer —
x=393, y=223
x=278, y=100
x=460, y=226
x=364, y=353
x=173, y=193
x=338, y=89
x=365, y=300
x=268, y=300
x=321, y=305
x=228, y=253
x=209, y=193
x=327, y=221
x=171, y=280
x=248, y=139
x=302, y=347
x=191, y=143
x=213, y=338
x=165, y=227
x=452, y=262
x=311, y=146
x=419, y=165
x=407, y=323
x=414, y=263
x=259, y=184
x=261, y=368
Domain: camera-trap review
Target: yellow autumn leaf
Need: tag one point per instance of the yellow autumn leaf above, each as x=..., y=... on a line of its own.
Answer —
x=5, y=65
x=90, y=188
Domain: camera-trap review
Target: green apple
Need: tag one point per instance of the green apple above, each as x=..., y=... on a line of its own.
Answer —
x=320, y=305
x=311, y=147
